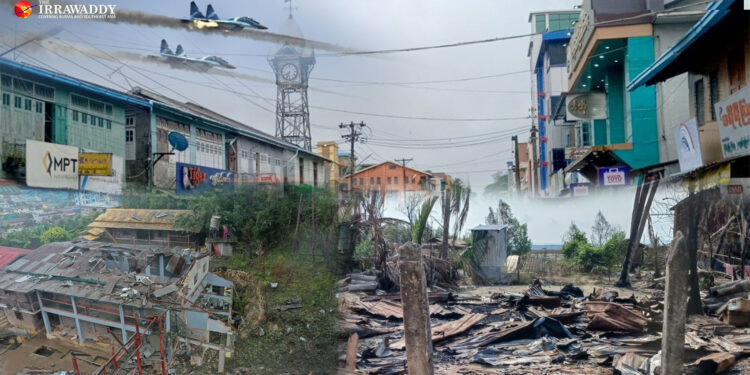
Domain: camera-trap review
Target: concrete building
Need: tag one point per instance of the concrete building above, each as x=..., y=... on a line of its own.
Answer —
x=620, y=135
x=85, y=290
x=547, y=53
x=330, y=151
x=716, y=76
x=390, y=179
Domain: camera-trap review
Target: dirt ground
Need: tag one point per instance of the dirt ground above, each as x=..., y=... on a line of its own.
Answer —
x=586, y=283
x=54, y=354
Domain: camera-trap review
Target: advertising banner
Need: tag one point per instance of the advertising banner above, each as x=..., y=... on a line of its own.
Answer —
x=110, y=184
x=192, y=178
x=50, y=165
x=613, y=176
x=733, y=115
x=688, y=146
x=94, y=164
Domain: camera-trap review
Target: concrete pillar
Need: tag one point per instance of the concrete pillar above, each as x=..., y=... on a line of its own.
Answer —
x=78, y=321
x=122, y=325
x=220, y=367
x=675, y=307
x=416, y=311
x=45, y=317
x=161, y=268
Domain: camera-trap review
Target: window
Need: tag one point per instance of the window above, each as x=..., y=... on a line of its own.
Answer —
x=101, y=122
x=129, y=135
x=79, y=101
x=109, y=124
x=130, y=120
x=108, y=109
x=27, y=104
x=96, y=106
x=395, y=180
x=23, y=86
x=736, y=62
x=354, y=181
x=541, y=24
x=39, y=107
x=75, y=115
x=6, y=99
x=84, y=118
x=361, y=181
x=699, y=93
x=372, y=180
x=585, y=134
x=6, y=81
x=378, y=180
x=44, y=91
x=93, y=120
x=17, y=101
x=389, y=180
x=713, y=83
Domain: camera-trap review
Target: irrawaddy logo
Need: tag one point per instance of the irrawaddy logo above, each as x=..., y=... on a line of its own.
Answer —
x=54, y=164
x=48, y=9
x=23, y=9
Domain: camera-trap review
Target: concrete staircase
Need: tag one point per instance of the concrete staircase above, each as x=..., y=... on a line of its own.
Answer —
x=4, y=321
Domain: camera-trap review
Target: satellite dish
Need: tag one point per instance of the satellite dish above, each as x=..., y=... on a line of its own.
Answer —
x=178, y=141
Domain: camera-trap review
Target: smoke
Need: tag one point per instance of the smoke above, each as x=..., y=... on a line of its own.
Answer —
x=133, y=17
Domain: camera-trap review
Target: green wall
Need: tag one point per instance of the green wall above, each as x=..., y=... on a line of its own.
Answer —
x=615, y=104
x=645, y=152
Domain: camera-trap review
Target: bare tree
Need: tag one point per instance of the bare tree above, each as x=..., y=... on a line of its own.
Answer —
x=410, y=207
x=602, y=230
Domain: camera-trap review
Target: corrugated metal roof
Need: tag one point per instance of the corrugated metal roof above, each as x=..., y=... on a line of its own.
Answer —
x=9, y=254
x=716, y=12
x=131, y=218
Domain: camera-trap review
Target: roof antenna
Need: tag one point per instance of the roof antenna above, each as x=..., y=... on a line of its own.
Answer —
x=290, y=7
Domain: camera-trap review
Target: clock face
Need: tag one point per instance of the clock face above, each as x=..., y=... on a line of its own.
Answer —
x=289, y=72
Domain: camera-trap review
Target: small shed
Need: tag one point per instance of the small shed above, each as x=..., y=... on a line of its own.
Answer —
x=489, y=250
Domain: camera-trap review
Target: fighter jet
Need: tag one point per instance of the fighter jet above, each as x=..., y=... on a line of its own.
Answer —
x=203, y=63
x=212, y=20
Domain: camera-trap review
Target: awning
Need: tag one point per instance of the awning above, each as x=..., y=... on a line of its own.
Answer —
x=594, y=159
x=664, y=67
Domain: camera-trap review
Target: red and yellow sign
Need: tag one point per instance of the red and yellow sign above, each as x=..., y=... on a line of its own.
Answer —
x=22, y=9
x=95, y=164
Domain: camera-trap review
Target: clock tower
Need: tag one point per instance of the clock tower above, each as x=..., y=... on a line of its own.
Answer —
x=292, y=64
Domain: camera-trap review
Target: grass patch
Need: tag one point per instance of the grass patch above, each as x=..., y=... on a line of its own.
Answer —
x=297, y=341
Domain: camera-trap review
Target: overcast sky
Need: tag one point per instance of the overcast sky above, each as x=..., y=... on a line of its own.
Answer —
x=362, y=25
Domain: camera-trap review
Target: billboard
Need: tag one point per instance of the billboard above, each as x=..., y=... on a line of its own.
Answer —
x=688, y=146
x=51, y=165
x=110, y=184
x=94, y=164
x=192, y=178
x=613, y=176
x=733, y=115
x=579, y=189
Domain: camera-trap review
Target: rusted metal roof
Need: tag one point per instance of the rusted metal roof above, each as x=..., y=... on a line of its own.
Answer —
x=128, y=218
x=9, y=254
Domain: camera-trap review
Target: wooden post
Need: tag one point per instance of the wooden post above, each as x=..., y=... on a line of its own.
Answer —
x=417, y=331
x=675, y=307
x=351, y=352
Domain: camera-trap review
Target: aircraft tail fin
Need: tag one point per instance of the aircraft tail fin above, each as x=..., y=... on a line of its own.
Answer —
x=179, y=51
x=210, y=13
x=195, y=13
x=165, y=48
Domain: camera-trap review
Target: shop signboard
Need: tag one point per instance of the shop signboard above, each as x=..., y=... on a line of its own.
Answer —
x=613, y=176
x=733, y=115
x=50, y=165
x=688, y=146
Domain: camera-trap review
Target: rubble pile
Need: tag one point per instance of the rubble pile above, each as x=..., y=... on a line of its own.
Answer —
x=539, y=331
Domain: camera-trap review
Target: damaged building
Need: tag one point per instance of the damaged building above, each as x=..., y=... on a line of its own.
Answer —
x=143, y=227
x=102, y=292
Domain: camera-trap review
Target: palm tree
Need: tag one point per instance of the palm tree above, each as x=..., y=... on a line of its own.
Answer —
x=455, y=203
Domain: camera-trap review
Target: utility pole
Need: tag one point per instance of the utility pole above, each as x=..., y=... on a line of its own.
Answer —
x=403, y=169
x=353, y=136
x=517, y=167
x=533, y=160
